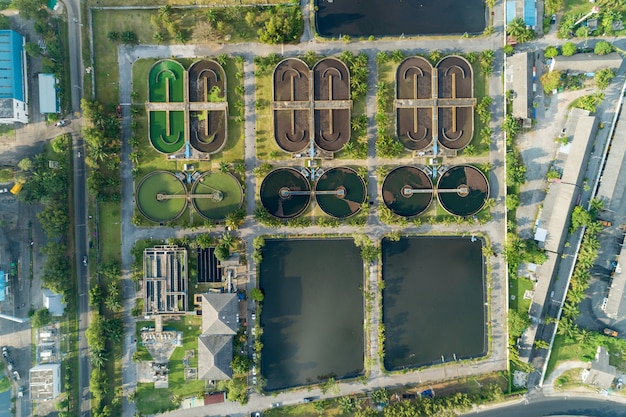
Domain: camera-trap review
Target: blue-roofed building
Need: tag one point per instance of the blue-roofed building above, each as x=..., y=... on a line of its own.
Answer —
x=48, y=98
x=510, y=11
x=13, y=79
x=530, y=13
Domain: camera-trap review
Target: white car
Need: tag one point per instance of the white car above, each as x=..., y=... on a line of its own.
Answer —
x=254, y=331
x=253, y=316
x=254, y=380
x=62, y=123
x=254, y=370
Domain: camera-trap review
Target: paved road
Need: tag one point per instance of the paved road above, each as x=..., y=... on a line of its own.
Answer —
x=561, y=405
x=80, y=205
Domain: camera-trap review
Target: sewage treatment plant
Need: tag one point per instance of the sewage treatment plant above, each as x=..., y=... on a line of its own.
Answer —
x=316, y=290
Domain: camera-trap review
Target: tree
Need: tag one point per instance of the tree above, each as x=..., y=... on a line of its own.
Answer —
x=241, y=364
x=129, y=37
x=346, y=404
x=181, y=37
x=550, y=52
x=222, y=252
x=281, y=29
x=512, y=201
x=580, y=218
x=541, y=344
x=508, y=50
x=113, y=36
x=603, y=78
x=569, y=49
x=28, y=9
x=32, y=49
x=517, y=28
x=158, y=37
x=603, y=48
x=227, y=240
x=40, y=318
x=550, y=81
x=25, y=164
x=256, y=294
x=5, y=22
x=380, y=396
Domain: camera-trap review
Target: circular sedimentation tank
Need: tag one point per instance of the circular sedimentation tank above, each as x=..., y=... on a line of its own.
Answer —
x=398, y=193
x=161, y=196
x=349, y=192
x=215, y=194
x=462, y=190
x=275, y=195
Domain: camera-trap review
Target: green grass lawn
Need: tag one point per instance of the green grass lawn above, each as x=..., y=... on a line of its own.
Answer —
x=110, y=232
x=178, y=2
x=577, y=6
x=518, y=286
x=331, y=409
x=565, y=349
x=387, y=74
x=153, y=401
x=141, y=69
x=233, y=150
x=266, y=147
x=150, y=400
x=481, y=89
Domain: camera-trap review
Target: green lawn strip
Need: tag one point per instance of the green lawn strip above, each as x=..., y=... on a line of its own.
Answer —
x=480, y=90
x=387, y=74
x=233, y=150
x=266, y=147
x=66, y=97
x=565, y=349
x=157, y=3
x=141, y=69
x=331, y=409
x=110, y=232
x=576, y=6
x=105, y=51
x=518, y=287
x=153, y=401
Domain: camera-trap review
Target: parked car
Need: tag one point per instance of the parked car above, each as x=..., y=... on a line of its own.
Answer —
x=553, y=19
x=610, y=332
x=62, y=122
x=308, y=399
x=276, y=405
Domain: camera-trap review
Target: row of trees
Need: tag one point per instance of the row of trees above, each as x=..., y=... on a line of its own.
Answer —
x=102, y=140
x=49, y=186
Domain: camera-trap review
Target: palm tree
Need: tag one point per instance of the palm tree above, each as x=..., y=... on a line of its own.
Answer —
x=98, y=358
x=98, y=152
x=567, y=328
x=583, y=336
x=224, y=167
x=227, y=240
x=346, y=404
x=570, y=310
x=181, y=37
x=165, y=12
x=158, y=37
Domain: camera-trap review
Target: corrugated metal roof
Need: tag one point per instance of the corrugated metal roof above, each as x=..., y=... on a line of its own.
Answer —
x=48, y=102
x=530, y=13
x=11, y=65
x=510, y=11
